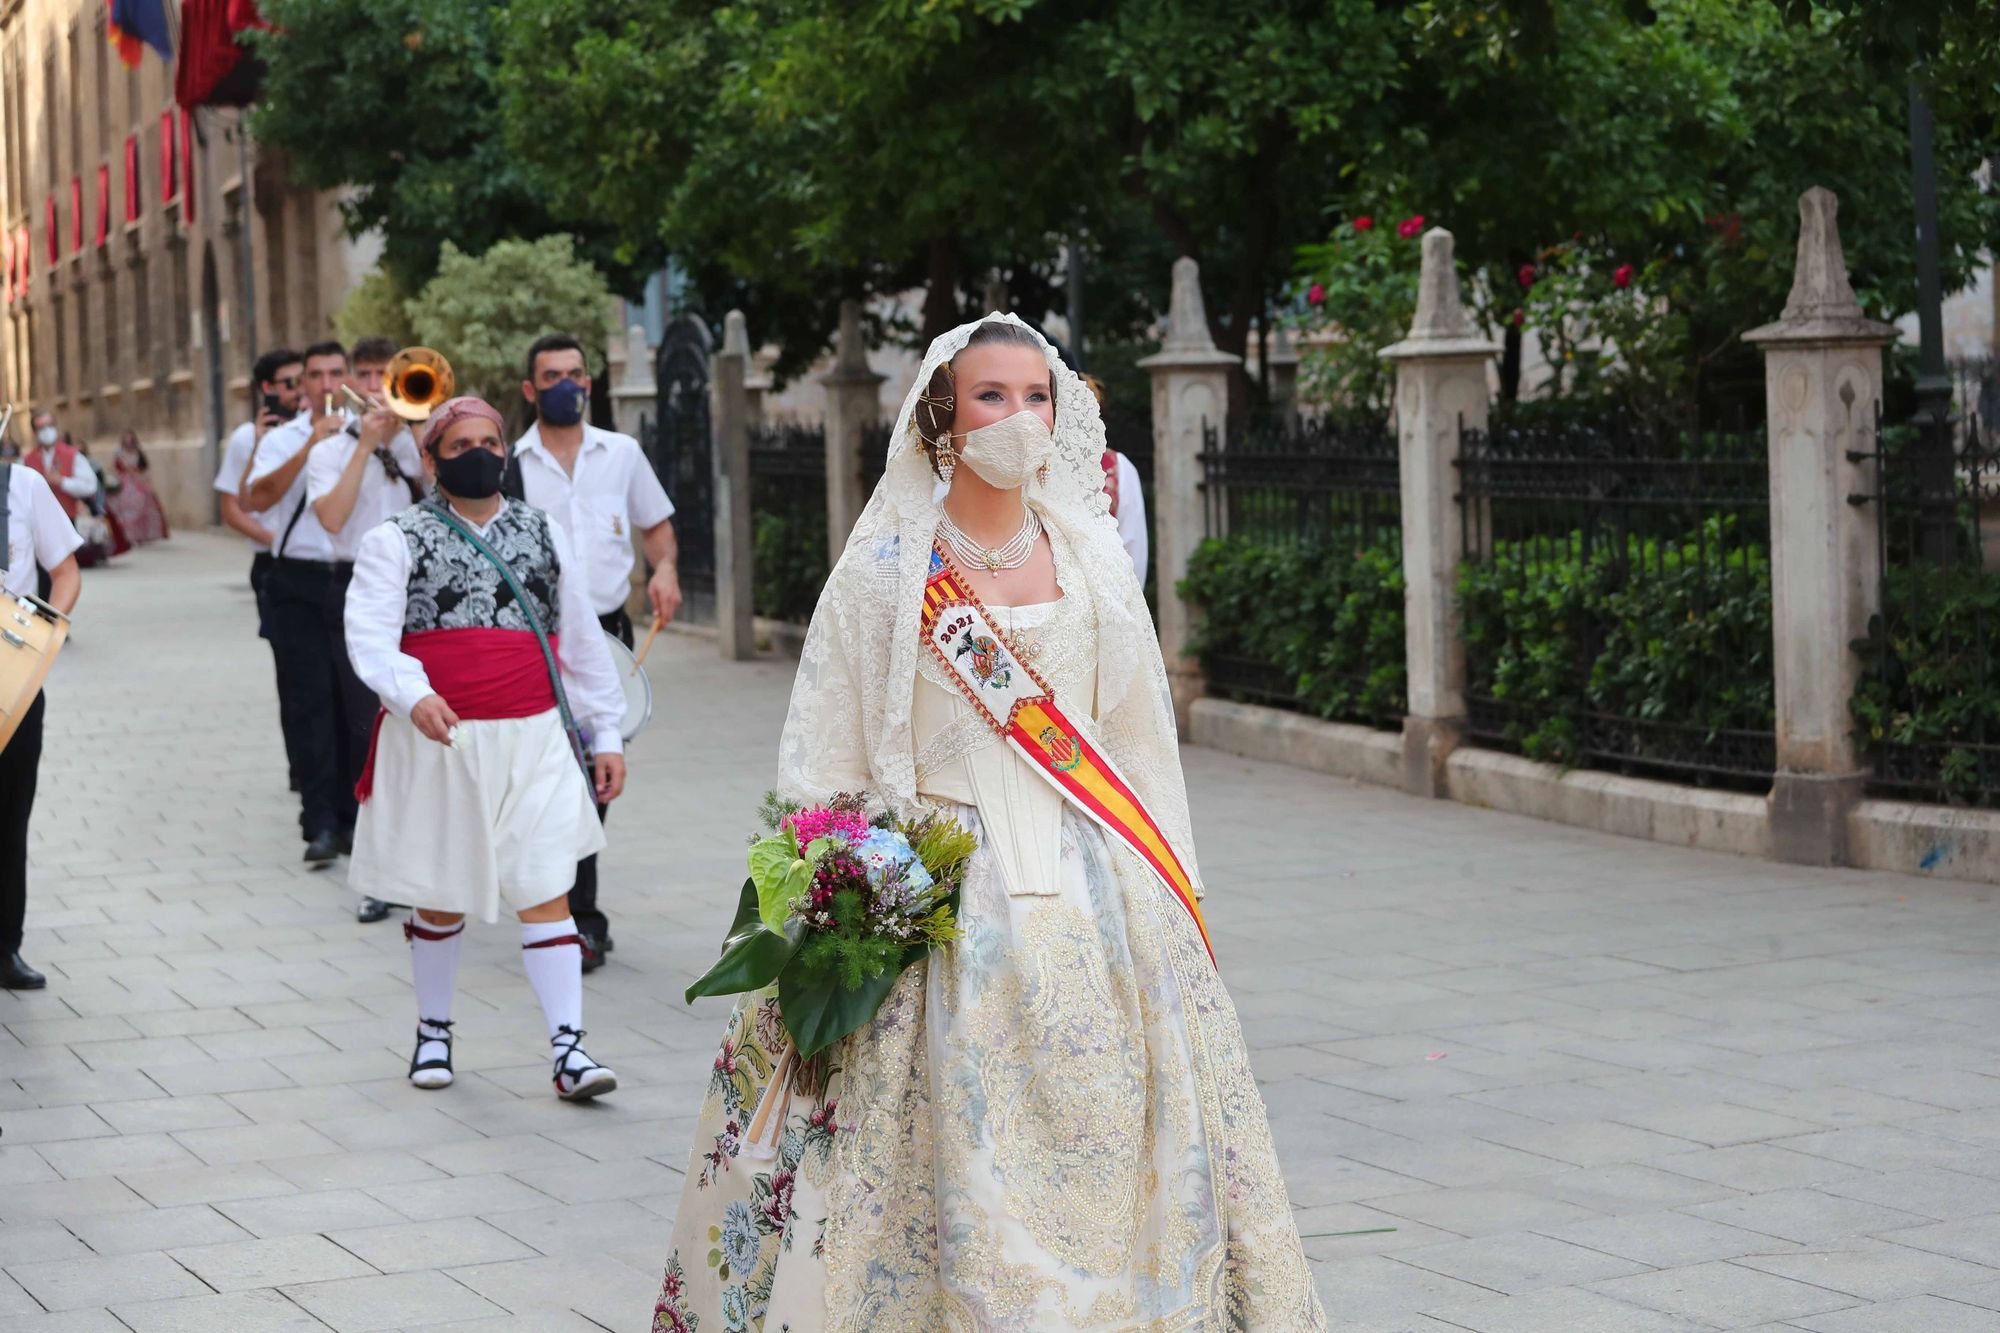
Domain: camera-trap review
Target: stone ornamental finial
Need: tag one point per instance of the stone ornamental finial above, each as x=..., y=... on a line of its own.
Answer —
x=735, y=335
x=850, y=351
x=1820, y=289
x=1440, y=310
x=1440, y=327
x=1187, y=316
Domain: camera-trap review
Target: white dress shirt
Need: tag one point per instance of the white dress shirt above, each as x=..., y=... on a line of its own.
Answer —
x=381, y=497
x=612, y=493
x=39, y=533
x=378, y=599
x=1132, y=515
x=229, y=477
x=307, y=540
x=79, y=483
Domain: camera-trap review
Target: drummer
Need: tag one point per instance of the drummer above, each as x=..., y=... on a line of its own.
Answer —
x=36, y=539
x=599, y=486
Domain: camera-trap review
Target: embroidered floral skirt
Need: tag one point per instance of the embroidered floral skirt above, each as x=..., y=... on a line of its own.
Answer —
x=1050, y=1126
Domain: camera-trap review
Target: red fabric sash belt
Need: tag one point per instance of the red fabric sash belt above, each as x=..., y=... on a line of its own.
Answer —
x=482, y=674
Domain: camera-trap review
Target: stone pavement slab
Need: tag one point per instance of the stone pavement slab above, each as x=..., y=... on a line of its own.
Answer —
x=1565, y=1081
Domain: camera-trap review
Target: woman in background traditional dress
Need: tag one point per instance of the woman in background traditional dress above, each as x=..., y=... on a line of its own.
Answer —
x=133, y=502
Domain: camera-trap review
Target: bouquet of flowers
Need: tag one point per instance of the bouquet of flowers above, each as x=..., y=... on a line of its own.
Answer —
x=838, y=903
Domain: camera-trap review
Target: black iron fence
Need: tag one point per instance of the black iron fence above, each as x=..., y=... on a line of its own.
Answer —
x=1616, y=597
x=1300, y=579
x=1927, y=707
x=788, y=519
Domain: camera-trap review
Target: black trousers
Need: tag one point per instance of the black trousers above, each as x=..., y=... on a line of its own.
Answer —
x=583, y=894
x=296, y=593
x=19, y=763
x=358, y=703
x=288, y=725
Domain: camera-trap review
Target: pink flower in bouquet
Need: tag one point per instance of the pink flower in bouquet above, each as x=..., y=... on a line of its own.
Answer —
x=1527, y=275
x=821, y=821
x=1316, y=294
x=1410, y=226
x=1622, y=276
x=1363, y=224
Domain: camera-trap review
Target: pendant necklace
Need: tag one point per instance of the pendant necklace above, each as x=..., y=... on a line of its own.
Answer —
x=1011, y=554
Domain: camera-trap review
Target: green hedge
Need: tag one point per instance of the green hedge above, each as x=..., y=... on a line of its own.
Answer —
x=1927, y=676
x=1327, y=615
x=789, y=567
x=1687, y=642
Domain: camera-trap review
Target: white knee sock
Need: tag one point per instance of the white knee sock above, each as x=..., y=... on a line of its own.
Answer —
x=434, y=969
x=555, y=971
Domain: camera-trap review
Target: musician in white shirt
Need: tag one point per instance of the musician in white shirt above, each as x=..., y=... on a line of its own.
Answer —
x=600, y=487
x=39, y=539
x=298, y=591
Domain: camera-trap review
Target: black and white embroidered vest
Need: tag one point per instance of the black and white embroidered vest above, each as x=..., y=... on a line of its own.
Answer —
x=453, y=586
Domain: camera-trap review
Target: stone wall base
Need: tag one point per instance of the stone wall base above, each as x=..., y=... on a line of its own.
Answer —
x=1913, y=839
x=1279, y=737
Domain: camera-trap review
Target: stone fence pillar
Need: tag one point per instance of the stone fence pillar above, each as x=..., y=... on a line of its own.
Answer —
x=1822, y=386
x=852, y=405
x=1440, y=387
x=1284, y=390
x=735, y=634
x=1190, y=392
x=634, y=395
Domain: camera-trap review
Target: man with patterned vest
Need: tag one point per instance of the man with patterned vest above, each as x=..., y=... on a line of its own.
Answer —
x=470, y=617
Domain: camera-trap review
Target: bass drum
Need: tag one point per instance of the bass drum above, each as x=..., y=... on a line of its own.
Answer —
x=31, y=634
x=632, y=683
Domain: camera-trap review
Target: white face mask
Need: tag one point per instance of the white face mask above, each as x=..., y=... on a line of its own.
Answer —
x=1008, y=454
x=47, y=435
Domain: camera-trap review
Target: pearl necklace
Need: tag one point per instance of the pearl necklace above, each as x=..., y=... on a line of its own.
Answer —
x=1009, y=555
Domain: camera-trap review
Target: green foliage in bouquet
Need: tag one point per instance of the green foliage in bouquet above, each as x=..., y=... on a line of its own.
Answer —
x=835, y=921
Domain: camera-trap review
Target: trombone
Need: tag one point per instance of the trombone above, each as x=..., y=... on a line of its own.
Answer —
x=418, y=381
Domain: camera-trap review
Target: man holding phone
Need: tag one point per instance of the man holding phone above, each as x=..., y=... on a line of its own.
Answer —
x=277, y=374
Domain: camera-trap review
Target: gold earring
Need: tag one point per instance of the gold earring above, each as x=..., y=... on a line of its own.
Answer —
x=947, y=460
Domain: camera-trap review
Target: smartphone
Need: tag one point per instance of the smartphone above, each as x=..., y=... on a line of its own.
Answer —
x=274, y=405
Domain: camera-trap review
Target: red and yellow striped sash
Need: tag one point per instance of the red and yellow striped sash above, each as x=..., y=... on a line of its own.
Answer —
x=1019, y=705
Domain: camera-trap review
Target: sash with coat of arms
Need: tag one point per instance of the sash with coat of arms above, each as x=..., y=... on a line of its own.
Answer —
x=1021, y=708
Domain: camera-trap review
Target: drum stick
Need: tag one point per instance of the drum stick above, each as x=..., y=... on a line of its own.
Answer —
x=647, y=646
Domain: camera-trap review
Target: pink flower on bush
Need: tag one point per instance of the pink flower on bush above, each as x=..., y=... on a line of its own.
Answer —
x=1315, y=294
x=1410, y=226
x=1527, y=275
x=1622, y=276
x=1363, y=224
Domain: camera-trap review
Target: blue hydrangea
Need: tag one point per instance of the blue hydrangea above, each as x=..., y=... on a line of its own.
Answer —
x=885, y=850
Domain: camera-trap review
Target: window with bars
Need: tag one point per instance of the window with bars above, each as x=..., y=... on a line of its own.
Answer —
x=114, y=342
x=178, y=331
x=86, y=352
x=143, y=362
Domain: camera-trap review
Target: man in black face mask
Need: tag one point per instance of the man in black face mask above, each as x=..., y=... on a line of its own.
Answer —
x=468, y=616
x=599, y=486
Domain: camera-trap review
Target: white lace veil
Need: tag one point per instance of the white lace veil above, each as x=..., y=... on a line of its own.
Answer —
x=848, y=728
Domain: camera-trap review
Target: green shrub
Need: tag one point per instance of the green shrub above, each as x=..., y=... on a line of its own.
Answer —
x=1927, y=675
x=789, y=567
x=1328, y=616
x=1686, y=642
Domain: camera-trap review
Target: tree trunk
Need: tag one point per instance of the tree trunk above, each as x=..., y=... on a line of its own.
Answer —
x=941, y=291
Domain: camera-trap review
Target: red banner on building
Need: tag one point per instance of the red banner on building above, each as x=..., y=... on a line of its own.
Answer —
x=55, y=245
x=131, y=178
x=7, y=263
x=187, y=167
x=25, y=260
x=167, y=181
x=103, y=203
x=76, y=215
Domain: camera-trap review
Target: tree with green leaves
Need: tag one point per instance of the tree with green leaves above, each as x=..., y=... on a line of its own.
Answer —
x=395, y=102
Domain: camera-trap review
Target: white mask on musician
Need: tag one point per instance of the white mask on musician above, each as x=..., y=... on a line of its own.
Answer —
x=1008, y=454
x=47, y=435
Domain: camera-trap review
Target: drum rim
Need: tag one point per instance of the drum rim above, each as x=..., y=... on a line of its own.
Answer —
x=625, y=661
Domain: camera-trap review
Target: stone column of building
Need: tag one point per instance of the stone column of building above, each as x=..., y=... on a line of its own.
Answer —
x=1441, y=388
x=634, y=394
x=1190, y=395
x=1822, y=387
x=734, y=550
x=852, y=406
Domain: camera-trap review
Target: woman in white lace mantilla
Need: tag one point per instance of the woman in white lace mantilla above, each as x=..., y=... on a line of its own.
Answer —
x=1052, y=1124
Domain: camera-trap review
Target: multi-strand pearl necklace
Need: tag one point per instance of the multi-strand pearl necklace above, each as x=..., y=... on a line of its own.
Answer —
x=1012, y=554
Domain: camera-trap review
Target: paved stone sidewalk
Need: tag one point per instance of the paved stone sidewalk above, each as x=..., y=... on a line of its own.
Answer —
x=1567, y=1081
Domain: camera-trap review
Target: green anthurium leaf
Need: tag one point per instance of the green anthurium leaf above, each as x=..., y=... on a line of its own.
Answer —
x=752, y=955
x=819, y=1011
x=780, y=876
x=769, y=858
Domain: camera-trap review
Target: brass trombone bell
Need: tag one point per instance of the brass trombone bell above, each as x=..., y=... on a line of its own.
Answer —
x=418, y=383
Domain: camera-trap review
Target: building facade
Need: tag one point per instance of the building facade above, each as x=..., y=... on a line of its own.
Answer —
x=124, y=304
